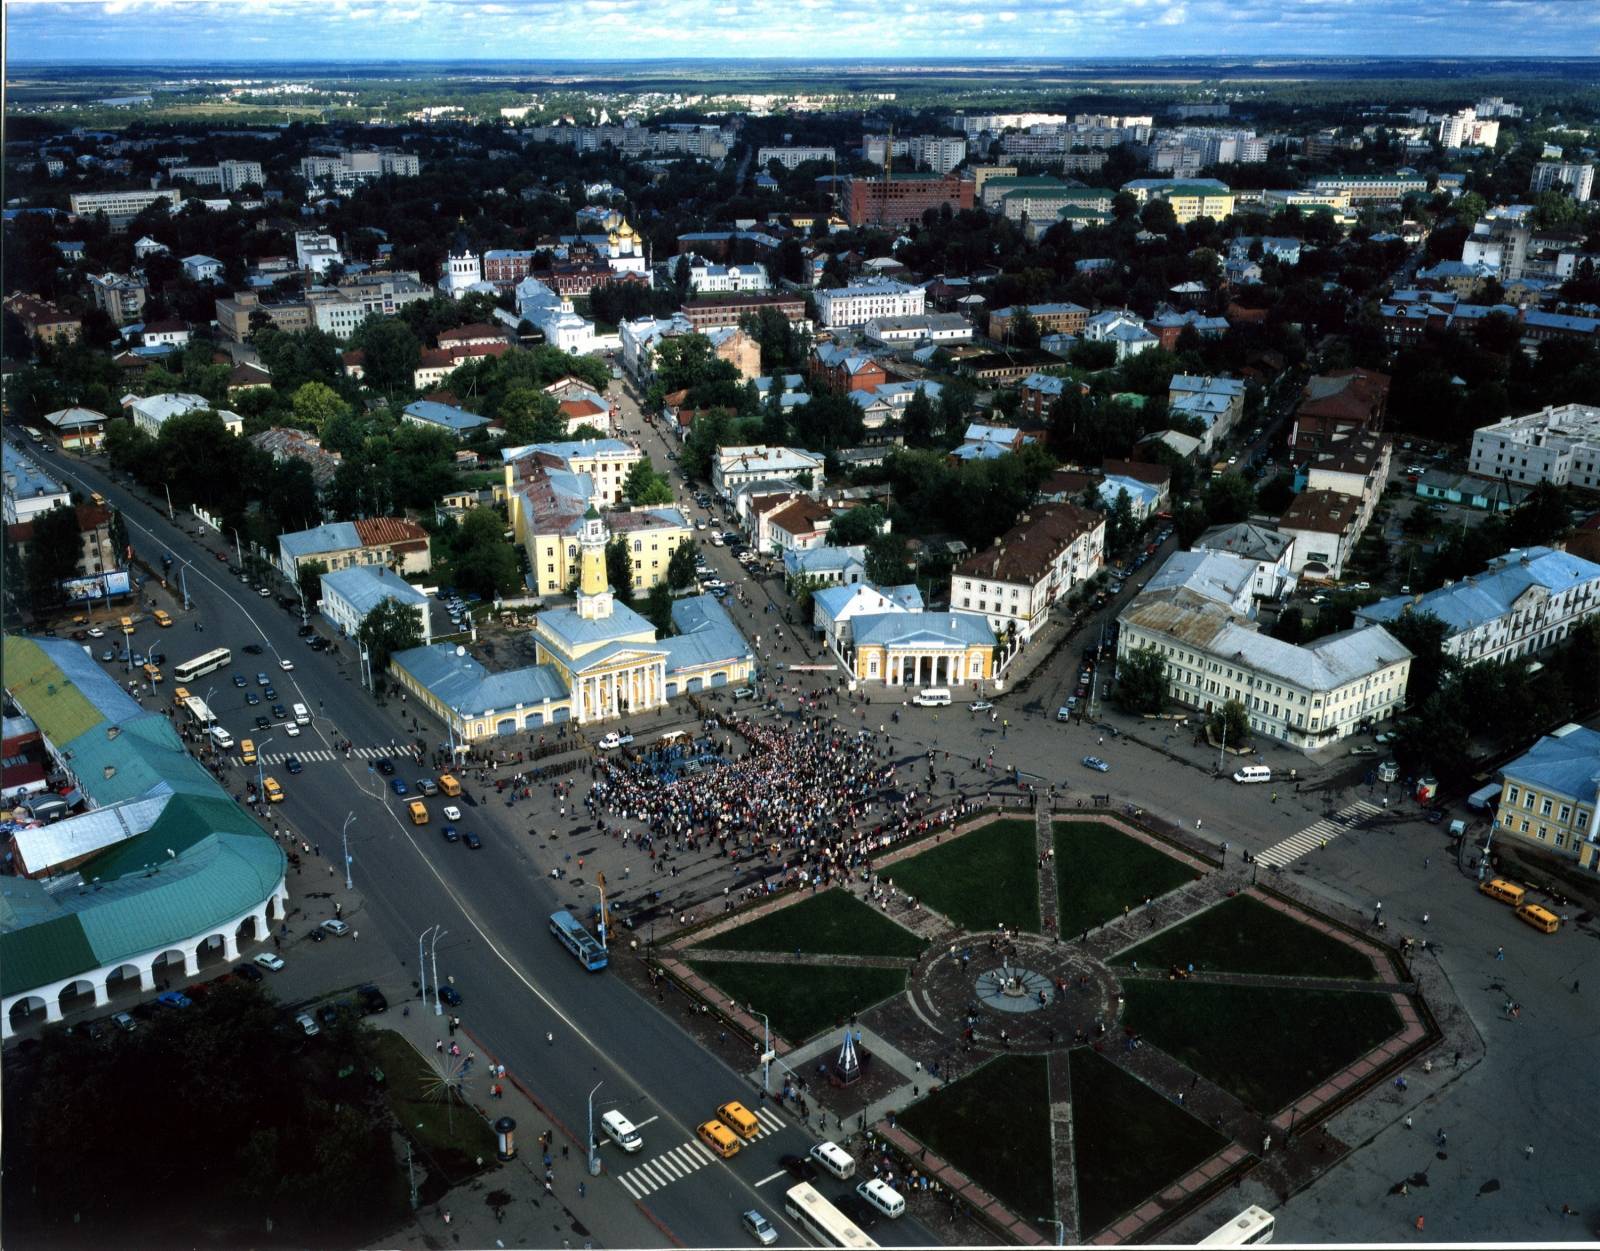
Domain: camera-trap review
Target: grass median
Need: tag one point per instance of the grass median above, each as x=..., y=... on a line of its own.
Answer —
x=1244, y=935
x=1100, y=871
x=829, y=924
x=802, y=1000
x=981, y=880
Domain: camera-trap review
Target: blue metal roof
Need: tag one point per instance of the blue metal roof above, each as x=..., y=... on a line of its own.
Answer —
x=932, y=629
x=451, y=418
x=336, y=536
x=1565, y=764
x=364, y=587
x=1473, y=601
x=461, y=683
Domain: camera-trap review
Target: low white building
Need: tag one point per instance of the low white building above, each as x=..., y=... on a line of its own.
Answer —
x=919, y=329
x=1308, y=697
x=316, y=252
x=834, y=607
x=860, y=303
x=791, y=157
x=151, y=412
x=1122, y=329
x=201, y=268
x=1524, y=602
x=1272, y=552
x=707, y=278
x=348, y=595
x=737, y=466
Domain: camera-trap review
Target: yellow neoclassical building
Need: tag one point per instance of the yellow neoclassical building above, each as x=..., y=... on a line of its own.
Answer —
x=922, y=648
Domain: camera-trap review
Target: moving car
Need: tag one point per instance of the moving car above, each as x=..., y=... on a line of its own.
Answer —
x=291, y=764
x=450, y=995
x=759, y=1228
x=473, y=842
x=95, y=632
x=399, y=787
x=286, y=665
x=384, y=766
x=982, y=705
x=336, y=927
x=451, y=834
x=1095, y=763
x=452, y=813
x=252, y=649
x=270, y=962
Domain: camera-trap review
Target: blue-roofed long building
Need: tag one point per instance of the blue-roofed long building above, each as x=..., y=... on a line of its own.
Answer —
x=350, y=594
x=596, y=659
x=458, y=421
x=1550, y=795
x=385, y=541
x=1524, y=602
x=163, y=873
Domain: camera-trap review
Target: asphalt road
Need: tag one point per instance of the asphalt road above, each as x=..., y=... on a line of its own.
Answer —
x=516, y=983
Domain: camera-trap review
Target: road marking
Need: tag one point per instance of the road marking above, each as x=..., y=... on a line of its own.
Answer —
x=651, y=1121
x=772, y=1122
x=1317, y=834
x=770, y=1177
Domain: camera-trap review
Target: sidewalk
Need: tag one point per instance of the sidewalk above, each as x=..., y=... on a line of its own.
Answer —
x=527, y=1217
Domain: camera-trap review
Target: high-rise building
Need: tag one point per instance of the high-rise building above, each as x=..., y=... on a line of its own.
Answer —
x=1576, y=180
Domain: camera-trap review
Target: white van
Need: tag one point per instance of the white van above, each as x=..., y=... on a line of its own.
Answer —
x=1253, y=773
x=933, y=697
x=835, y=1159
x=302, y=714
x=882, y=1196
x=221, y=738
x=620, y=1130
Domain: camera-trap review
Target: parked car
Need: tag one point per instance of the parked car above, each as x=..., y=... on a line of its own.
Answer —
x=473, y=842
x=251, y=698
x=336, y=927
x=263, y=680
x=173, y=999
x=270, y=962
x=308, y=1027
x=372, y=1000
x=238, y=680
x=982, y=705
x=124, y=1022
x=247, y=973
x=1095, y=763
x=1366, y=749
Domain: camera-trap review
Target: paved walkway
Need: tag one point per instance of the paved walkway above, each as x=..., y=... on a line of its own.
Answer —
x=522, y=1213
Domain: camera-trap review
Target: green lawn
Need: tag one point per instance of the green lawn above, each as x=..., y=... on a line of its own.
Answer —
x=830, y=924
x=1266, y=1046
x=453, y=1137
x=1244, y=935
x=1130, y=1142
x=994, y=1125
x=981, y=880
x=1100, y=870
x=802, y=1000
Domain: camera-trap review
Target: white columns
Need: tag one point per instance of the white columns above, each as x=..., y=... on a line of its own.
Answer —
x=101, y=996
x=52, y=1007
x=230, y=945
x=147, y=978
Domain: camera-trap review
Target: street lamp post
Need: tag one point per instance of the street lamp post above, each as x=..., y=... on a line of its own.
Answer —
x=344, y=836
x=594, y=1156
x=168, y=490
x=766, y=1053
x=1061, y=1230
x=422, y=967
x=433, y=952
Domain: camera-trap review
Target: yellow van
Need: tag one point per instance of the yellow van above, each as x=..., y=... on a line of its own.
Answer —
x=1504, y=891
x=247, y=751
x=449, y=785
x=180, y=695
x=163, y=618
x=739, y=1119
x=127, y=625
x=152, y=675
x=1544, y=921
x=719, y=1138
x=273, y=791
x=419, y=812
x=98, y=500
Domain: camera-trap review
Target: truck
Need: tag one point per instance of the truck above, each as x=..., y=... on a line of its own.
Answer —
x=571, y=934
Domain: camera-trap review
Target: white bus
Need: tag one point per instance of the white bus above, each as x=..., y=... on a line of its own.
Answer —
x=820, y=1221
x=1253, y=773
x=201, y=665
x=1254, y=1224
x=203, y=716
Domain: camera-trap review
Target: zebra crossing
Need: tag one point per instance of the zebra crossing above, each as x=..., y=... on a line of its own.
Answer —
x=661, y=1171
x=1316, y=834
x=321, y=755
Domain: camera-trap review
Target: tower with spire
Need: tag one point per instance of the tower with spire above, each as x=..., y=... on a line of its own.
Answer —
x=594, y=587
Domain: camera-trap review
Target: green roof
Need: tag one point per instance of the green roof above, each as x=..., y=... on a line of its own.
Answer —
x=1189, y=188
x=38, y=945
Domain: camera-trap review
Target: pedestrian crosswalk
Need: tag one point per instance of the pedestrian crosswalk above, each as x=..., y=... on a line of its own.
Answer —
x=692, y=1156
x=322, y=755
x=1318, y=834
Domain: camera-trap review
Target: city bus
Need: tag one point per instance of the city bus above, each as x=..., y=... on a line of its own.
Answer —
x=1254, y=1224
x=203, y=716
x=582, y=944
x=189, y=670
x=820, y=1221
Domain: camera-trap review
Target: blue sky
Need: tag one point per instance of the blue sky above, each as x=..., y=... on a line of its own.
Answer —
x=76, y=31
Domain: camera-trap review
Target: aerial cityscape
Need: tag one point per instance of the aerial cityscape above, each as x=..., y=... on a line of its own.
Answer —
x=664, y=625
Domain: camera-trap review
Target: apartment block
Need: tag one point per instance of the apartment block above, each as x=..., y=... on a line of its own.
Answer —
x=226, y=176
x=900, y=199
x=121, y=296
x=790, y=158
x=121, y=207
x=1377, y=188
x=1576, y=180
x=1052, y=549
x=1558, y=444
x=857, y=305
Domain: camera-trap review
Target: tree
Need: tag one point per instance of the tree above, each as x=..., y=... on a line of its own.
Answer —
x=389, y=628
x=392, y=353
x=1142, y=681
x=1024, y=330
x=1230, y=724
x=1423, y=635
x=859, y=525
x=315, y=404
x=54, y=551
x=680, y=569
x=658, y=609
x=1120, y=525
x=917, y=421
x=886, y=561
x=486, y=563
x=531, y=416
x=1228, y=498
x=309, y=576
x=619, y=569
x=644, y=487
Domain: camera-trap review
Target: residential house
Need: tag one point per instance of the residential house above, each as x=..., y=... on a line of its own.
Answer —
x=1488, y=494
x=1122, y=329
x=122, y=297
x=202, y=268
x=1524, y=602
x=1150, y=473
x=983, y=442
x=1323, y=525
x=171, y=332
x=1052, y=549
x=798, y=526
x=846, y=369
x=1144, y=498
x=736, y=466
x=1063, y=318
x=458, y=421
x=1336, y=406
x=43, y=320
x=79, y=429
x=149, y=413
x=386, y=542
x=826, y=566
x=285, y=443
x=733, y=345
x=97, y=554
x=1217, y=403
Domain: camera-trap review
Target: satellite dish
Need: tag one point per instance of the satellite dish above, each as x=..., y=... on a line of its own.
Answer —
x=460, y=650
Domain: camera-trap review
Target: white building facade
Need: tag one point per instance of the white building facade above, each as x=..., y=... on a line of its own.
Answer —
x=858, y=304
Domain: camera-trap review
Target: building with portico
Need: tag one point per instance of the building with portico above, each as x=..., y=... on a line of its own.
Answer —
x=921, y=649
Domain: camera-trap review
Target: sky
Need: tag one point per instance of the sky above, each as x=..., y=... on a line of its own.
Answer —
x=145, y=31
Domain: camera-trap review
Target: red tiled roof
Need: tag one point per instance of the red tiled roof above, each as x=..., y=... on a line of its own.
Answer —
x=376, y=531
x=477, y=330
x=582, y=408
x=801, y=516
x=1024, y=553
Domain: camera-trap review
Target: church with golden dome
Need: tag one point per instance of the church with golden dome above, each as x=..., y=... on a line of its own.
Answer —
x=624, y=250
